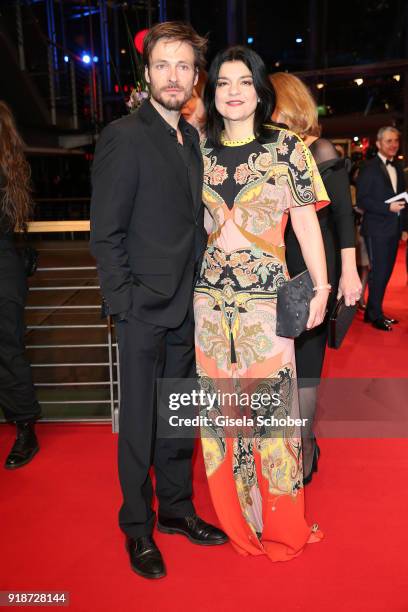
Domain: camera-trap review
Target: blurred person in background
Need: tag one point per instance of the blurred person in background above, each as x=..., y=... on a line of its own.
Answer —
x=380, y=179
x=17, y=396
x=363, y=262
x=193, y=111
x=296, y=108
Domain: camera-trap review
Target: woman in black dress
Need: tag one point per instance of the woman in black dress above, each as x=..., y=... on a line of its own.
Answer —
x=17, y=396
x=296, y=108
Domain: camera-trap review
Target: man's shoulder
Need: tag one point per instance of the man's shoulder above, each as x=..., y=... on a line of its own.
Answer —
x=371, y=165
x=374, y=162
x=125, y=126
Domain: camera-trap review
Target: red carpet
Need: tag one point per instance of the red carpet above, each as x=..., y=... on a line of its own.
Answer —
x=58, y=518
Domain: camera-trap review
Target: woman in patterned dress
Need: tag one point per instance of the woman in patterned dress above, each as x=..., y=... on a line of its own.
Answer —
x=254, y=176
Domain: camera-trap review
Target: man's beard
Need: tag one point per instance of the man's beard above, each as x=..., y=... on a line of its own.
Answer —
x=171, y=103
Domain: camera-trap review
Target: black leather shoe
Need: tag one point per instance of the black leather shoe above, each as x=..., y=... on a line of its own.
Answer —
x=194, y=528
x=24, y=448
x=145, y=557
x=390, y=320
x=381, y=324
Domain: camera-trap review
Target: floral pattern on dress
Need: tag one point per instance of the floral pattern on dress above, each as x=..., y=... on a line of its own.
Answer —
x=255, y=482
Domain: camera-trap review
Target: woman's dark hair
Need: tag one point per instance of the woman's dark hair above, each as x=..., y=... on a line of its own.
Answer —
x=15, y=201
x=263, y=88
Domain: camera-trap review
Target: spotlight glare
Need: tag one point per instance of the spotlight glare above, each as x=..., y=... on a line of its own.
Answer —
x=95, y=59
x=250, y=40
x=356, y=139
x=359, y=81
x=397, y=77
x=66, y=59
x=86, y=58
x=299, y=40
x=320, y=85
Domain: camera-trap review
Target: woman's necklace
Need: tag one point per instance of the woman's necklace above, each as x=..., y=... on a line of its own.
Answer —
x=235, y=143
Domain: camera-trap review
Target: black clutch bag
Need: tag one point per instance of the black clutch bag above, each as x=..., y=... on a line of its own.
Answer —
x=293, y=305
x=340, y=321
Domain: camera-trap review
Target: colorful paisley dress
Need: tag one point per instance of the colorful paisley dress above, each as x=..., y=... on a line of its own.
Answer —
x=255, y=480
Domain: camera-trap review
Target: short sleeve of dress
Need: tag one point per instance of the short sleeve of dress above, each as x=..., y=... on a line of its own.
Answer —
x=304, y=180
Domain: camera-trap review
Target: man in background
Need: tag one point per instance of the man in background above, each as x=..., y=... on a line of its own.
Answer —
x=379, y=180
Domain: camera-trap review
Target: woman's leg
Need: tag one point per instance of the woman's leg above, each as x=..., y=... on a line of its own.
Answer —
x=17, y=395
x=307, y=408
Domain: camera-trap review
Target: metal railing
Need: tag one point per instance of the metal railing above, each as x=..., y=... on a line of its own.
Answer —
x=62, y=313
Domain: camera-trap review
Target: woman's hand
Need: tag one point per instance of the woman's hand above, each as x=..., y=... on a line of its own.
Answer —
x=350, y=287
x=318, y=308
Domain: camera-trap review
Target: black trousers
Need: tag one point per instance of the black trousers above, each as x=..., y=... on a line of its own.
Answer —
x=17, y=395
x=148, y=352
x=382, y=252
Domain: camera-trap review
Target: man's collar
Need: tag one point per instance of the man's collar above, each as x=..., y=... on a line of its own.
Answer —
x=150, y=114
x=383, y=158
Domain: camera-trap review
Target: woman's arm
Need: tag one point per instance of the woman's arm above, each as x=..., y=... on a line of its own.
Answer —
x=337, y=184
x=307, y=230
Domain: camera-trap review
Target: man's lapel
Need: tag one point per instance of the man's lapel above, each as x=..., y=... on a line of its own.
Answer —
x=385, y=172
x=164, y=146
x=198, y=187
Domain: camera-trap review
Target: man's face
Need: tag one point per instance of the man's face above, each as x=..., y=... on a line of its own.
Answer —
x=388, y=145
x=171, y=73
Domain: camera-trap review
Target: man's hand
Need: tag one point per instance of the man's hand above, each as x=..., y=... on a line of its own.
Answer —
x=396, y=207
x=404, y=236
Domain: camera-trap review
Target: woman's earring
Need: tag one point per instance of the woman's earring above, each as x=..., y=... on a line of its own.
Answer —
x=259, y=99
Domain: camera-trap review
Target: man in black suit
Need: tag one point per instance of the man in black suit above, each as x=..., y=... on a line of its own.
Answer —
x=148, y=237
x=379, y=180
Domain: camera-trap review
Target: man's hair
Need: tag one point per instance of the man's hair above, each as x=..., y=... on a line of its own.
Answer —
x=296, y=104
x=262, y=85
x=177, y=31
x=387, y=128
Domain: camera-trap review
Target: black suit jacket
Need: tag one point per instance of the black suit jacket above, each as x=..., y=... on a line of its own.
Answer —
x=147, y=231
x=373, y=188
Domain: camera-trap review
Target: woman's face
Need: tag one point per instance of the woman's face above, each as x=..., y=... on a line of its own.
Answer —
x=235, y=95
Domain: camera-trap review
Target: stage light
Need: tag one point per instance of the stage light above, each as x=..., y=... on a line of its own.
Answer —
x=359, y=81
x=86, y=58
x=277, y=64
x=356, y=139
x=139, y=40
x=66, y=59
x=123, y=51
x=320, y=85
x=250, y=40
x=397, y=77
x=95, y=59
x=299, y=40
